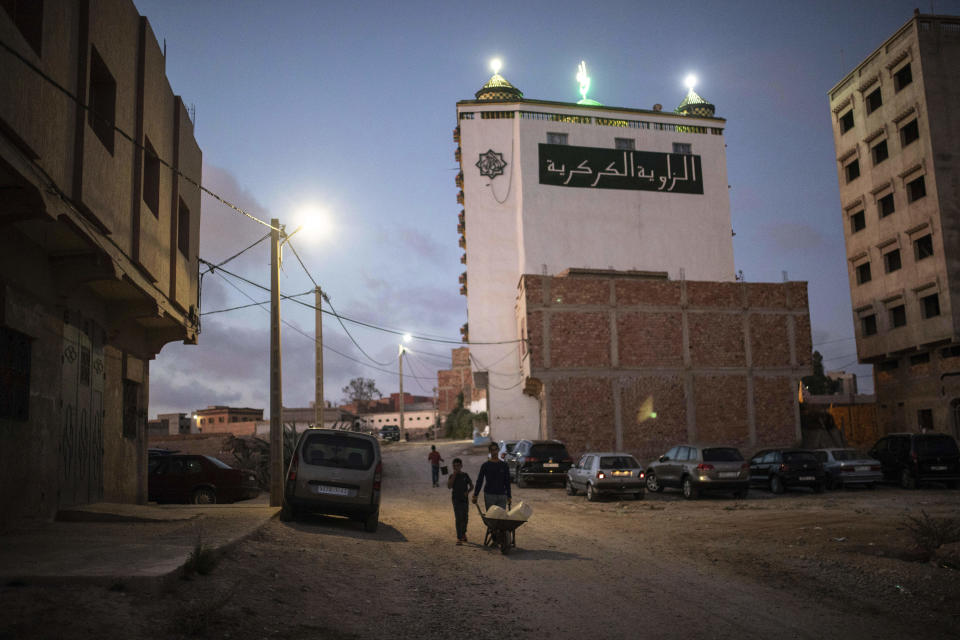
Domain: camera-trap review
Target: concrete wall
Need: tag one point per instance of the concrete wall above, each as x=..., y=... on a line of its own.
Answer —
x=94, y=282
x=716, y=362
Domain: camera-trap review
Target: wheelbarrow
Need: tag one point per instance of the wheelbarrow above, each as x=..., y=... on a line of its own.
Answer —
x=500, y=532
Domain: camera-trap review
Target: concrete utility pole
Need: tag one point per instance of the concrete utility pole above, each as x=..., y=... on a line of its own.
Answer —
x=403, y=433
x=318, y=391
x=276, y=392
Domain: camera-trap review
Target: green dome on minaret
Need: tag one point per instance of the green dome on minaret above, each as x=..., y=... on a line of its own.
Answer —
x=695, y=105
x=498, y=89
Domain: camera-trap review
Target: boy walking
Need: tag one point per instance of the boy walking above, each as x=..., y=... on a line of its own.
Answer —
x=461, y=485
x=435, y=460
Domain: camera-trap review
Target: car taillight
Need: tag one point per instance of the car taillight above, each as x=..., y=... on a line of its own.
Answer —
x=745, y=465
x=784, y=467
x=601, y=475
x=913, y=457
x=704, y=467
x=531, y=460
x=641, y=475
x=293, y=468
x=377, y=473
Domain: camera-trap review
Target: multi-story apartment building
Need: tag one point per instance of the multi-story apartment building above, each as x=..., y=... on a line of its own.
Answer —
x=895, y=132
x=577, y=199
x=98, y=249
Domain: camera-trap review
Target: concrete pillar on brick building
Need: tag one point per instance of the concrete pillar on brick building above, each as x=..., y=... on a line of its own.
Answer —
x=688, y=382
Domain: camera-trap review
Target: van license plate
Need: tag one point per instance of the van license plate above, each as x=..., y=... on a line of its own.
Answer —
x=938, y=468
x=550, y=464
x=806, y=478
x=728, y=474
x=862, y=468
x=332, y=491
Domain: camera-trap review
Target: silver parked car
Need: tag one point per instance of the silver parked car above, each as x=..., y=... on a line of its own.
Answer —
x=847, y=467
x=693, y=468
x=607, y=473
x=334, y=472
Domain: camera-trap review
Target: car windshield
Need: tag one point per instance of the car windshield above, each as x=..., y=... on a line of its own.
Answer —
x=941, y=445
x=549, y=451
x=344, y=452
x=849, y=454
x=722, y=454
x=799, y=456
x=219, y=463
x=618, y=462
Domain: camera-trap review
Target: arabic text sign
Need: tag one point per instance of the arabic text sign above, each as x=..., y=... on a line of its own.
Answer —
x=598, y=168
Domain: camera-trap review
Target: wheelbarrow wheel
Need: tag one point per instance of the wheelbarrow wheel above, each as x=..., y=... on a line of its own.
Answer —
x=504, y=542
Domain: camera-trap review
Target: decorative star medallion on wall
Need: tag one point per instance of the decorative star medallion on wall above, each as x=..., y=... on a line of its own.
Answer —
x=491, y=164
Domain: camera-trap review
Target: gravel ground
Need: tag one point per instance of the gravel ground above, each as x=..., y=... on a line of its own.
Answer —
x=799, y=565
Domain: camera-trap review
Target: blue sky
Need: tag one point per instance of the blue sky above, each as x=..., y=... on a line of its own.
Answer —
x=350, y=106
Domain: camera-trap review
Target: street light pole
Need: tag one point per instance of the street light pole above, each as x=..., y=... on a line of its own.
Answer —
x=276, y=392
x=318, y=391
x=402, y=432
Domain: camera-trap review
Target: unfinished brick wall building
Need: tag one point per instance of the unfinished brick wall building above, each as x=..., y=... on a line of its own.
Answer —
x=632, y=361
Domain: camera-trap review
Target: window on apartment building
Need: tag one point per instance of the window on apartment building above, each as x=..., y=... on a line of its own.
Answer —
x=683, y=147
x=15, y=356
x=624, y=144
x=27, y=16
x=923, y=247
x=952, y=351
x=131, y=408
x=909, y=133
x=891, y=261
x=925, y=419
x=898, y=316
x=857, y=221
x=885, y=205
x=183, y=228
x=151, y=177
x=556, y=138
x=902, y=78
x=868, y=325
x=863, y=273
x=930, y=305
x=879, y=152
x=221, y=419
x=852, y=170
x=103, y=100
x=920, y=358
x=846, y=121
x=874, y=100
x=916, y=189
x=888, y=365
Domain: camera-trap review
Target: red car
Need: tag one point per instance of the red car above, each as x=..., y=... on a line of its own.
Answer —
x=198, y=479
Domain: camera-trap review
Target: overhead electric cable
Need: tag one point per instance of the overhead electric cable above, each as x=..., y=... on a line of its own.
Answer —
x=237, y=254
x=253, y=304
x=124, y=134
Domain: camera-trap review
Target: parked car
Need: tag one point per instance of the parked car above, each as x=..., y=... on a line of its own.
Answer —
x=780, y=469
x=506, y=449
x=173, y=477
x=540, y=460
x=912, y=458
x=390, y=432
x=334, y=472
x=695, y=468
x=846, y=467
x=605, y=473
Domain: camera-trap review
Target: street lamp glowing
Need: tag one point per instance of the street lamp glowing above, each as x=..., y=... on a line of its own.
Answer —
x=690, y=81
x=496, y=64
x=313, y=222
x=407, y=337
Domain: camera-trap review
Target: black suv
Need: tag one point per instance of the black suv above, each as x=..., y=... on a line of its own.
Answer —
x=544, y=460
x=911, y=458
x=778, y=469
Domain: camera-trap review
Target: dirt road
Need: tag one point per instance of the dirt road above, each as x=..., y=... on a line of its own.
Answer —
x=798, y=565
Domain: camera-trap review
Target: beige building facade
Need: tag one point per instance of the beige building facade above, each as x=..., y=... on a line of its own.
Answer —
x=98, y=250
x=895, y=133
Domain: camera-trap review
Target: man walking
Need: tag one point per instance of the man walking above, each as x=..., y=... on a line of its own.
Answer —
x=435, y=460
x=461, y=485
x=494, y=479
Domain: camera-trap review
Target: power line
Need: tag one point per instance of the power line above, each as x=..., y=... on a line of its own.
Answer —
x=252, y=304
x=417, y=378
x=125, y=135
x=237, y=254
x=833, y=341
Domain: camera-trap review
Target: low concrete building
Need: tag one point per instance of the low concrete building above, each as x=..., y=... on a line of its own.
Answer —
x=98, y=253
x=223, y=419
x=636, y=362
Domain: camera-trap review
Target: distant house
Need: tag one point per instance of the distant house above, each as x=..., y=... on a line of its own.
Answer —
x=99, y=249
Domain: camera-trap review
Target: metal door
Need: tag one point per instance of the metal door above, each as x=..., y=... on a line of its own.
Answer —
x=81, y=419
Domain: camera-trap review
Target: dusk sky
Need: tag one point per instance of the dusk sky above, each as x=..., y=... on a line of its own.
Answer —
x=349, y=108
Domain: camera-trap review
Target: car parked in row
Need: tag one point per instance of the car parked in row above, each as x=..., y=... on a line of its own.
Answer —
x=390, y=432
x=540, y=461
x=602, y=473
x=173, y=477
x=334, y=472
x=506, y=450
x=913, y=458
x=780, y=469
x=848, y=467
x=694, y=468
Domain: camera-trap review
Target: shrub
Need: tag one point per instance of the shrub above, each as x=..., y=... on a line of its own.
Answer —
x=931, y=533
